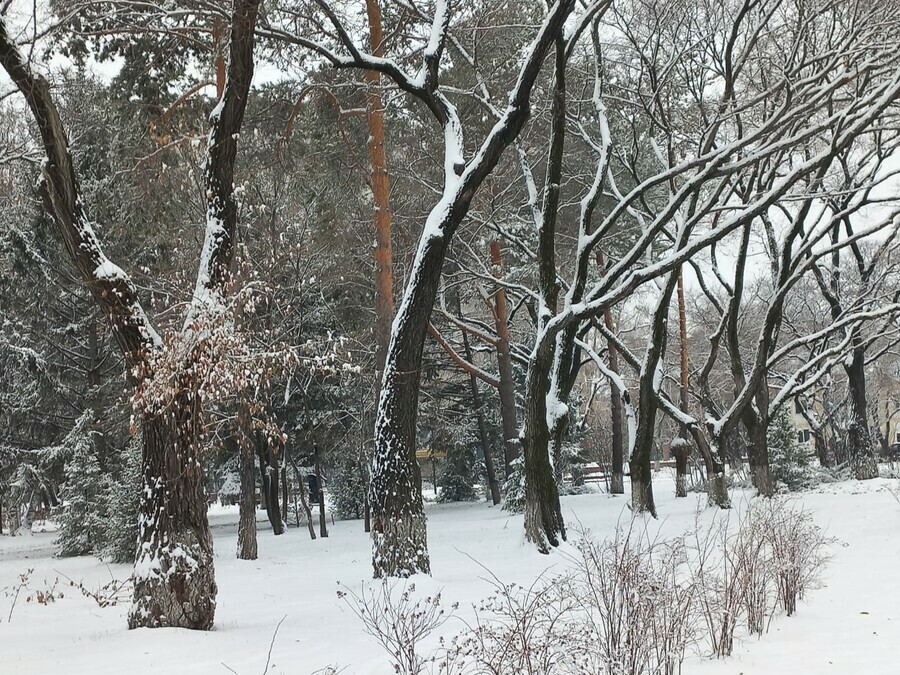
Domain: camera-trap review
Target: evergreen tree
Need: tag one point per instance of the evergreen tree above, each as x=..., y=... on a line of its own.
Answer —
x=123, y=499
x=347, y=491
x=457, y=479
x=514, y=487
x=788, y=460
x=82, y=520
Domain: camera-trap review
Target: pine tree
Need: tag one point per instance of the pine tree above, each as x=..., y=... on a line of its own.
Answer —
x=514, y=487
x=788, y=460
x=347, y=491
x=457, y=479
x=82, y=493
x=123, y=500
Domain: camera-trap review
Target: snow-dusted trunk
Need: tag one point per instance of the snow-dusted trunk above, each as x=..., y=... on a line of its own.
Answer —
x=716, y=487
x=758, y=449
x=544, y=524
x=174, y=577
x=859, y=442
x=400, y=546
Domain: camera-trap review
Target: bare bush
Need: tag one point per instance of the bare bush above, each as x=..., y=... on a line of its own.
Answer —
x=797, y=550
x=523, y=630
x=639, y=604
x=630, y=605
x=397, y=620
x=746, y=573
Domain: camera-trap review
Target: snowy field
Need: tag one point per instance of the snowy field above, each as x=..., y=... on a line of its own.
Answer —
x=851, y=625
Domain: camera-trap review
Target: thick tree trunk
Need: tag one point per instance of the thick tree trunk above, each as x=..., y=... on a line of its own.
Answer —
x=247, y=544
x=716, y=487
x=174, y=577
x=544, y=525
x=399, y=536
x=859, y=442
x=758, y=449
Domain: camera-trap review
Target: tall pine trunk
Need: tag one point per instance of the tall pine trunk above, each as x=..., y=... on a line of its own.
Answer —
x=507, y=388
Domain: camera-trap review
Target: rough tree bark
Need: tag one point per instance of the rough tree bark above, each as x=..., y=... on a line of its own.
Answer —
x=859, y=442
x=544, y=525
x=247, y=545
x=174, y=575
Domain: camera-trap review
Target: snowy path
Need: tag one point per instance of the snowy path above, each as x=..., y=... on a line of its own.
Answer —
x=852, y=625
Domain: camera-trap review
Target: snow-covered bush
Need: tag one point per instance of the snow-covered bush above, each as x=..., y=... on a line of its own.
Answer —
x=797, y=548
x=398, y=619
x=635, y=602
x=745, y=574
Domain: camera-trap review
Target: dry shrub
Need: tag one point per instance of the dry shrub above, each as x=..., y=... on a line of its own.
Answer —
x=398, y=620
x=745, y=574
x=630, y=605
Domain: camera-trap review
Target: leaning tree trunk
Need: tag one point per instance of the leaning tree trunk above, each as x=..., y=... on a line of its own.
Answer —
x=859, y=443
x=400, y=546
x=641, y=478
x=544, y=525
x=716, y=486
x=174, y=577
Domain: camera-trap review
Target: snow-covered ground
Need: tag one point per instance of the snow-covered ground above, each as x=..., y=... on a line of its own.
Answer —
x=851, y=625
